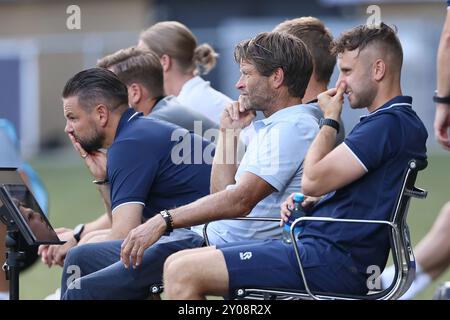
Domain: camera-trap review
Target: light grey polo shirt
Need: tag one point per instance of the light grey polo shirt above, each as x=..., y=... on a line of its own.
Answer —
x=275, y=154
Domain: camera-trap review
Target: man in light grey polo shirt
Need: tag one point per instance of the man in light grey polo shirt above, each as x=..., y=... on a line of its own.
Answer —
x=274, y=155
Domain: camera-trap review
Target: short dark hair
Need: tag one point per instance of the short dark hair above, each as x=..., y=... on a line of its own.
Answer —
x=96, y=85
x=364, y=35
x=135, y=65
x=271, y=50
x=319, y=40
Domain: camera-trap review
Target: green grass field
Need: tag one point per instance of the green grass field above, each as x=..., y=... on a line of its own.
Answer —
x=74, y=199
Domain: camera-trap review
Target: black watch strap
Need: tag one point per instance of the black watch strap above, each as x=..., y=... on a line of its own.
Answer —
x=78, y=231
x=168, y=219
x=329, y=122
x=445, y=100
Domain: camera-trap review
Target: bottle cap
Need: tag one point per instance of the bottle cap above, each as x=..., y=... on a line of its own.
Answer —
x=299, y=197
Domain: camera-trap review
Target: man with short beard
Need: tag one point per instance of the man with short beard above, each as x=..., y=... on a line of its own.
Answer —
x=139, y=176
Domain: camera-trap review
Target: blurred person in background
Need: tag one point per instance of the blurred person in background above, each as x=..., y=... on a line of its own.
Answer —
x=142, y=73
x=183, y=62
x=433, y=251
x=319, y=40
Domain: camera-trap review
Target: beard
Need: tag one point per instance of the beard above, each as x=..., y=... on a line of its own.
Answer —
x=93, y=143
x=258, y=100
x=364, y=98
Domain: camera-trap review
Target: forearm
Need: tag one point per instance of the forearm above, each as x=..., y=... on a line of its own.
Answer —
x=313, y=171
x=112, y=235
x=101, y=236
x=104, y=190
x=225, y=160
x=88, y=238
x=225, y=204
x=103, y=222
x=443, y=58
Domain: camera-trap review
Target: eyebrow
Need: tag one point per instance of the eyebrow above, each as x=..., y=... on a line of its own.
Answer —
x=68, y=114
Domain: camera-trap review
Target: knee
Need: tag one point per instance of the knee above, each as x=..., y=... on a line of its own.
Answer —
x=445, y=211
x=73, y=256
x=442, y=223
x=173, y=257
x=178, y=278
x=76, y=256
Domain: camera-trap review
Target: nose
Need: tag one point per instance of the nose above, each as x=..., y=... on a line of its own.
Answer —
x=239, y=84
x=68, y=128
x=340, y=79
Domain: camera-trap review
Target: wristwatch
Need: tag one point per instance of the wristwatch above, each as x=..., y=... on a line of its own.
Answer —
x=329, y=122
x=77, y=232
x=437, y=99
x=168, y=219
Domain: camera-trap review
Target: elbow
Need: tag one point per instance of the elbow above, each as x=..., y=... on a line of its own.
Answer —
x=446, y=39
x=243, y=203
x=311, y=187
x=245, y=207
x=444, y=46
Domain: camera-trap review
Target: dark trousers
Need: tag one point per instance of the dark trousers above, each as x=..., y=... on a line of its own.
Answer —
x=94, y=271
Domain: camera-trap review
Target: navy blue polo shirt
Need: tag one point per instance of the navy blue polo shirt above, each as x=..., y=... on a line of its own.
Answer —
x=141, y=167
x=383, y=142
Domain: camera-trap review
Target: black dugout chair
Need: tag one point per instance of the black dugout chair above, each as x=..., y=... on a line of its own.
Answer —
x=400, y=247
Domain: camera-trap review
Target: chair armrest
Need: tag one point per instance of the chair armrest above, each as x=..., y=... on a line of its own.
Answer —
x=327, y=219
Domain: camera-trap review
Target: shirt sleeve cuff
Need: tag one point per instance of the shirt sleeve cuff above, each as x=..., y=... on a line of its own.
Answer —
x=356, y=157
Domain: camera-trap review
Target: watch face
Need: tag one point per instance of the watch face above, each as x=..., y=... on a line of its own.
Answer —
x=77, y=229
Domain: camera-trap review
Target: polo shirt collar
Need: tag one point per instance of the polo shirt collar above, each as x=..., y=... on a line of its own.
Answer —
x=279, y=115
x=403, y=101
x=159, y=103
x=126, y=117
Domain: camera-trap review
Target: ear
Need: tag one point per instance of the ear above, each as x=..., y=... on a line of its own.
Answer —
x=102, y=114
x=166, y=62
x=277, y=78
x=378, y=70
x=134, y=94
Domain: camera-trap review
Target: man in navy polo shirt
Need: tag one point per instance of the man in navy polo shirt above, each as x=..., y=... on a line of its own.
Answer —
x=360, y=178
x=143, y=174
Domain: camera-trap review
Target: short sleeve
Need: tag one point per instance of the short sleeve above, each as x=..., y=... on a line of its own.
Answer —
x=131, y=173
x=278, y=153
x=375, y=140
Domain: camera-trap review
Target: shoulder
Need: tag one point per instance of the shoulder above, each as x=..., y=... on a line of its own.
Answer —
x=199, y=86
x=144, y=132
x=300, y=118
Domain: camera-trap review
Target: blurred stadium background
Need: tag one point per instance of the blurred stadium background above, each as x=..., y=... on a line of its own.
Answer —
x=38, y=53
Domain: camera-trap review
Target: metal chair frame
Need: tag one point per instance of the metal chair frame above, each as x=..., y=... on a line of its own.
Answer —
x=401, y=248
